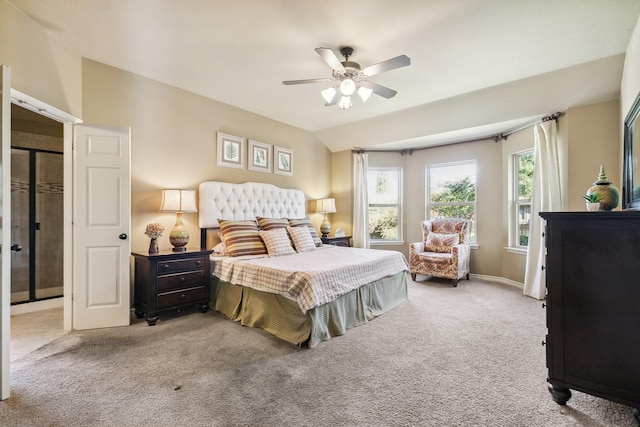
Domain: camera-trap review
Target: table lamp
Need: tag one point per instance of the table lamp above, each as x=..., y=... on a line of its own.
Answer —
x=178, y=201
x=325, y=206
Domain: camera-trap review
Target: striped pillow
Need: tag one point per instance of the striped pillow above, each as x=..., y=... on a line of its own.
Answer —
x=271, y=223
x=241, y=237
x=277, y=241
x=302, y=239
x=299, y=222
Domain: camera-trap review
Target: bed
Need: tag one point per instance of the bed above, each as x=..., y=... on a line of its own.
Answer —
x=309, y=292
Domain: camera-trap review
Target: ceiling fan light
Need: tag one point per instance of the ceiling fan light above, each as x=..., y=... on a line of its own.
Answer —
x=345, y=103
x=347, y=87
x=364, y=93
x=328, y=94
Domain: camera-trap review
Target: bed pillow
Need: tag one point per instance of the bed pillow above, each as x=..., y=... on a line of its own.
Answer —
x=301, y=222
x=441, y=243
x=241, y=237
x=302, y=239
x=272, y=223
x=277, y=242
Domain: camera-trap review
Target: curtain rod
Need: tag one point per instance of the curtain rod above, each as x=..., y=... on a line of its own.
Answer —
x=496, y=137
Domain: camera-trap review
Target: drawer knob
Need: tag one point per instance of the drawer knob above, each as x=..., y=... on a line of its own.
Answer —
x=165, y=266
x=183, y=279
x=182, y=296
x=198, y=262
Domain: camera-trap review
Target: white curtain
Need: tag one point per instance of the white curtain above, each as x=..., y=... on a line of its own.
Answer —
x=546, y=197
x=360, y=201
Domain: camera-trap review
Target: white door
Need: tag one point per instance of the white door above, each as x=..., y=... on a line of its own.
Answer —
x=5, y=227
x=101, y=226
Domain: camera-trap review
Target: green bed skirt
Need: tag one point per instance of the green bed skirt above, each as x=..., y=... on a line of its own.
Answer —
x=282, y=317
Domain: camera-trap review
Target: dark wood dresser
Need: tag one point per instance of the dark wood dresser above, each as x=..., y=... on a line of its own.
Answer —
x=593, y=305
x=170, y=280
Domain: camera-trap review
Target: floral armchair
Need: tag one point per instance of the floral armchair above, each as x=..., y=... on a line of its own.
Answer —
x=444, y=251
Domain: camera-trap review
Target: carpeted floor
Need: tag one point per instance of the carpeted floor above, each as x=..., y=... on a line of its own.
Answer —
x=465, y=356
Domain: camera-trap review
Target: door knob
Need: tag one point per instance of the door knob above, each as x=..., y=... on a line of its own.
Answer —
x=123, y=236
x=16, y=247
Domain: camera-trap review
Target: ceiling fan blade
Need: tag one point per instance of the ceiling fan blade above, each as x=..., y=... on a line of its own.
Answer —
x=330, y=58
x=383, y=91
x=389, y=64
x=300, y=82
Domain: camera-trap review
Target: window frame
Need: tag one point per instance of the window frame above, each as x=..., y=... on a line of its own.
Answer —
x=516, y=202
x=399, y=205
x=474, y=204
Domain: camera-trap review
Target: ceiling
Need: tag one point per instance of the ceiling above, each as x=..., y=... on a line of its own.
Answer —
x=478, y=67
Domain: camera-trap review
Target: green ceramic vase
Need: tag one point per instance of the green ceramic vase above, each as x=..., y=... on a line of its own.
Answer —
x=609, y=194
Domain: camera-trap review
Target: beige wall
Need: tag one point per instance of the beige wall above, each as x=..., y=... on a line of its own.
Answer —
x=588, y=137
x=41, y=66
x=174, y=144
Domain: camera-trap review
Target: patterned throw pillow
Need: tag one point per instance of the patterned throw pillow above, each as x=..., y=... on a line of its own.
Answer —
x=302, y=239
x=272, y=223
x=299, y=222
x=241, y=237
x=441, y=243
x=277, y=242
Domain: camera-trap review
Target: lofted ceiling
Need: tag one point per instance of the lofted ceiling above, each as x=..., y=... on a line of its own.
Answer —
x=478, y=67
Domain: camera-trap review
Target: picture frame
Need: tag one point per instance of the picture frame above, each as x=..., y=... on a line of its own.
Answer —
x=231, y=151
x=282, y=161
x=259, y=156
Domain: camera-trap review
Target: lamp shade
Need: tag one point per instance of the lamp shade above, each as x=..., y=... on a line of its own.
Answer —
x=326, y=205
x=178, y=201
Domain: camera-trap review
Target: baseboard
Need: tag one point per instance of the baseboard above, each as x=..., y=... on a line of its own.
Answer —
x=30, y=307
x=502, y=280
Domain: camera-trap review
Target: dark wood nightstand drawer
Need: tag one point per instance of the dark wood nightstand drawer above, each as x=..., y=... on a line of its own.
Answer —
x=181, y=297
x=175, y=266
x=181, y=281
x=337, y=241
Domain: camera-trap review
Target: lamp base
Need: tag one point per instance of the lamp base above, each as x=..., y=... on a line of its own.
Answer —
x=179, y=237
x=325, y=227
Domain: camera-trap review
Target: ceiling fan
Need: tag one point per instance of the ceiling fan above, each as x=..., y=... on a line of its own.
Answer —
x=351, y=77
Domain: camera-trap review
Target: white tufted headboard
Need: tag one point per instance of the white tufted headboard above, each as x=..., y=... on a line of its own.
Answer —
x=223, y=200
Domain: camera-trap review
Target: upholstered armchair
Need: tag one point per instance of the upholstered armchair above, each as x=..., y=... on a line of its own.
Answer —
x=444, y=250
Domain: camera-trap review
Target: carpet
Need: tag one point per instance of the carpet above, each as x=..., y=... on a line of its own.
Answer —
x=465, y=356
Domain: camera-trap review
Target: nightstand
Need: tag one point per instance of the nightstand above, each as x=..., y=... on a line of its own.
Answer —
x=337, y=241
x=169, y=281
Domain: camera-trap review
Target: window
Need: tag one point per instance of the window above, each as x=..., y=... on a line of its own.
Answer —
x=523, y=164
x=384, y=189
x=451, y=192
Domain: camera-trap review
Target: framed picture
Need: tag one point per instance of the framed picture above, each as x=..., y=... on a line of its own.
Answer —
x=230, y=151
x=259, y=156
x=282, y=161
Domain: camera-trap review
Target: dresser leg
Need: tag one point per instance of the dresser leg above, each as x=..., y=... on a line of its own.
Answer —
x=139, y=314
x=204, y=308
x=151, y=320
x=560, y=395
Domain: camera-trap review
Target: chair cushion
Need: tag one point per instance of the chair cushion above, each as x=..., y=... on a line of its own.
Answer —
x=441, y=243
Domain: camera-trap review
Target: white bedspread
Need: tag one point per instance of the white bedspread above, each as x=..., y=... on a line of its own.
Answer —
x=311, y=278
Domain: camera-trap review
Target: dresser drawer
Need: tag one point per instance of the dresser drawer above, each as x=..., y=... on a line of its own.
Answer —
x=175, y=266
x=182, y=297
x=181, y=281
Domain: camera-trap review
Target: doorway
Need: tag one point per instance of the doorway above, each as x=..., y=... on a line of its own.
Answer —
x=37, y=207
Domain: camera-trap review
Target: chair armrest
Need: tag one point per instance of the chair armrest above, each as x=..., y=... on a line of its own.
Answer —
x=416, y=247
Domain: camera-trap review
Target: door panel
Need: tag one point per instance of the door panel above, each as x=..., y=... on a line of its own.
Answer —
x=101, y=227
x=5, y=228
